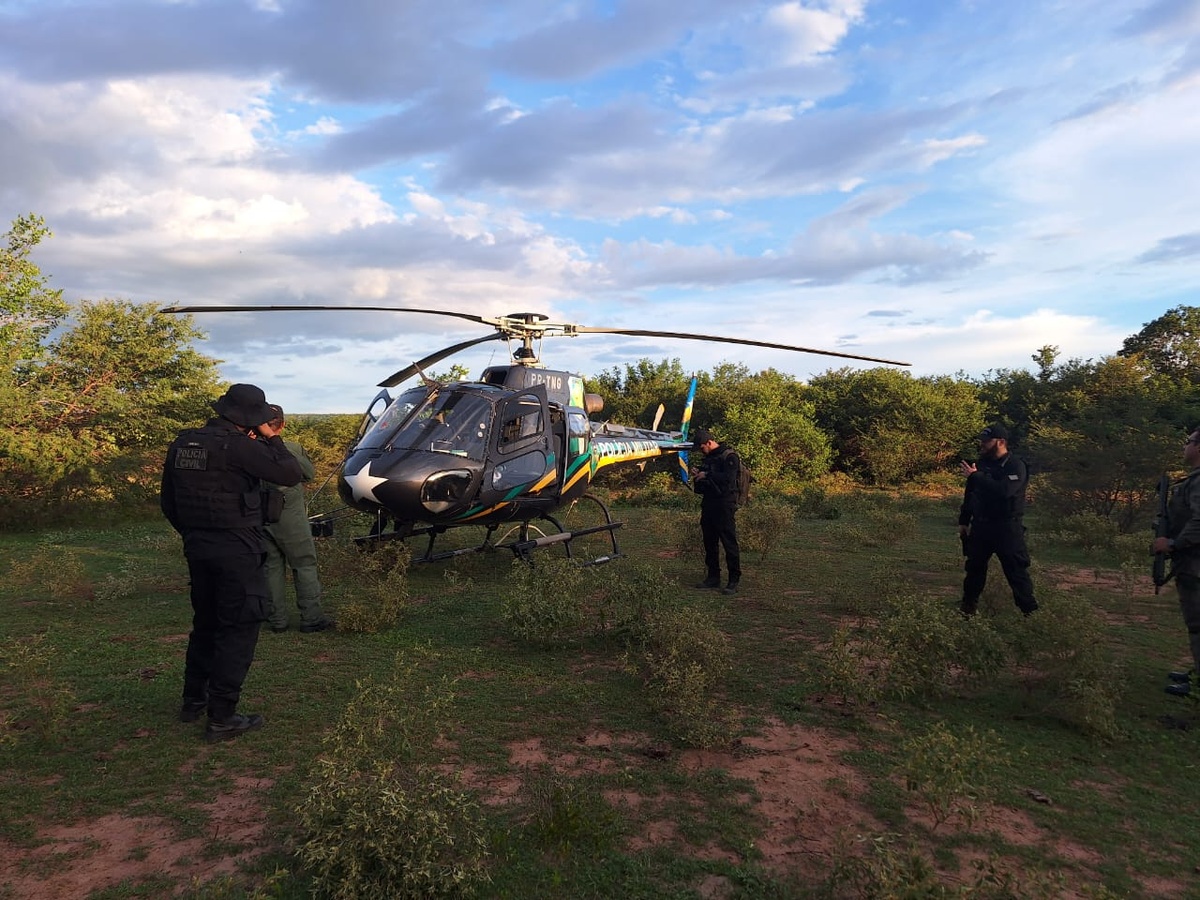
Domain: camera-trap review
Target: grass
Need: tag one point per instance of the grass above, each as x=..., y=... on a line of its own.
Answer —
x=582, y=786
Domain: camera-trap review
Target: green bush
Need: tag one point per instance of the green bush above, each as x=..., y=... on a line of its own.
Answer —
x=663, y=490
x=389, y=833
x=679, y=529
x=909, y=645
x=379, y=818
x=813, y=501
x=684, y=658
x=1061, y=657
x=762, y=524
x=908, y=651
x=369, y=588
x=1090, y=531
x=952, y=773
x=544, y=603
x=630, y=595
x=895, y=866
x=568, y=815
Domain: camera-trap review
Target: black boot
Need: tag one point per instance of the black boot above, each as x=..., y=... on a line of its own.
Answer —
x=233, y=726
x=712, y=581
x=192, y=710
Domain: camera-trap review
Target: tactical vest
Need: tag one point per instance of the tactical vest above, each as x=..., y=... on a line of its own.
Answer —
x=208, y=493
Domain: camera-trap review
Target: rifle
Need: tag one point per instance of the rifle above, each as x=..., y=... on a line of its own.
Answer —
x=1159, y=570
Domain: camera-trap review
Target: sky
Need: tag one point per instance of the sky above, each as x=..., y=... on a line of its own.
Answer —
x=953, y=183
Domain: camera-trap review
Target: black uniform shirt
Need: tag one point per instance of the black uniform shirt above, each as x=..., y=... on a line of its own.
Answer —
x=995, y=492
x=719, y=486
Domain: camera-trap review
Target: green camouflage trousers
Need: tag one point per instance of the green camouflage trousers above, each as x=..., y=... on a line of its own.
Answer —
x=299, y=555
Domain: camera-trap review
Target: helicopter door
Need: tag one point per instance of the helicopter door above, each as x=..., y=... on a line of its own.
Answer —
x=521, y=447
x=381, y=402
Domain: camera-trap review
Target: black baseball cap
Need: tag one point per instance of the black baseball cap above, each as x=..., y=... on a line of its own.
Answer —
x=996, y=430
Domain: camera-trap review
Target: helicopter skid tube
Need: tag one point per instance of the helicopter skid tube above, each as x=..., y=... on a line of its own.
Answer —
x=523, y=548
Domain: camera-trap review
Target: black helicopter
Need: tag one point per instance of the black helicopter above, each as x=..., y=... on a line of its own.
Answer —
x=510, y=449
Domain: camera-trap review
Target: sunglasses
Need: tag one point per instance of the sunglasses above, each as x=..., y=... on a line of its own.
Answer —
x=1191, y=441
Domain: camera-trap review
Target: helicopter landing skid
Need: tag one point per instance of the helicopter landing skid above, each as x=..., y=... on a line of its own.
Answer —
x=582, y=520
x=521, y=538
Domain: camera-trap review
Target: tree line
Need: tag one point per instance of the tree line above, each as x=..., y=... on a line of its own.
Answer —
x=92, y=394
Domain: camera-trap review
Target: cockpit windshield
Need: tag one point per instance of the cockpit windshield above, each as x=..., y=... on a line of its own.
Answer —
x=451, y=422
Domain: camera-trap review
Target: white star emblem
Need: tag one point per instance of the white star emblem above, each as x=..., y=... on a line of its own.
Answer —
x=363, y=484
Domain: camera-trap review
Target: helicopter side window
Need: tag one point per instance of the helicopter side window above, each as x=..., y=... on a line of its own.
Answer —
x=577, y=433
x=519, y=470
x=522, y=419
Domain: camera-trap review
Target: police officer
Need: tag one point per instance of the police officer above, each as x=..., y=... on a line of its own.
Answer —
x=717, y=482
x=990, y=521
x=1182, y=542
x=290, y=545
x=213, y=495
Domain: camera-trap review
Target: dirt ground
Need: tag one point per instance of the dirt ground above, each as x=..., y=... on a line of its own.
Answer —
x=806, y=797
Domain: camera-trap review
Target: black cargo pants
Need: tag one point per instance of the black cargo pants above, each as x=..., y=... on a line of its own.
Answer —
x=230, y=601
x=1005, y=540
x=718, y=525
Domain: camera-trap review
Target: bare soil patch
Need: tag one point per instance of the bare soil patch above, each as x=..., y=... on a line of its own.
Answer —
x=73, y=860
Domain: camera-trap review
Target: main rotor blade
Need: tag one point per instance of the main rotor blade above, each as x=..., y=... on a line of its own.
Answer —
x=410, y=370
x=638, y=332
x=433, y=312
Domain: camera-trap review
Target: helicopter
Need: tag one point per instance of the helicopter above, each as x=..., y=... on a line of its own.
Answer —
x=510, y=451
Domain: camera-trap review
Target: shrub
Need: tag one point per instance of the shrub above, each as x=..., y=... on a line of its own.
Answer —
x=378, y=820
x=631, y=595
x=544, y=602
x=951, y=773
x=684, y=533
x=1061, y=657
x=567, y=815
x=889, y=865
x=391, y=832
x=812, y=501
x=761, y=525
x=369, y=587
x=917, y=646
x=1090, y=531
x=684, y=657
x=663, y=490
x=912, y=645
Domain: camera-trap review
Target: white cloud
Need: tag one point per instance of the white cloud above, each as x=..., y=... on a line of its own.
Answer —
x=786, y=170
x=805, y=31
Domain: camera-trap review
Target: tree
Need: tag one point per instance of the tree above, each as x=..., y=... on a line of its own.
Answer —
x=632, y=396
x=768, y=418
x=888, y=427
x=89, y=421
x=29, y=309
x=1105, y=440
x=1170, y=345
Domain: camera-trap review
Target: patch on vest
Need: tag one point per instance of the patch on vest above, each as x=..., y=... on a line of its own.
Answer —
x=1014, y=477
x=192, y=458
